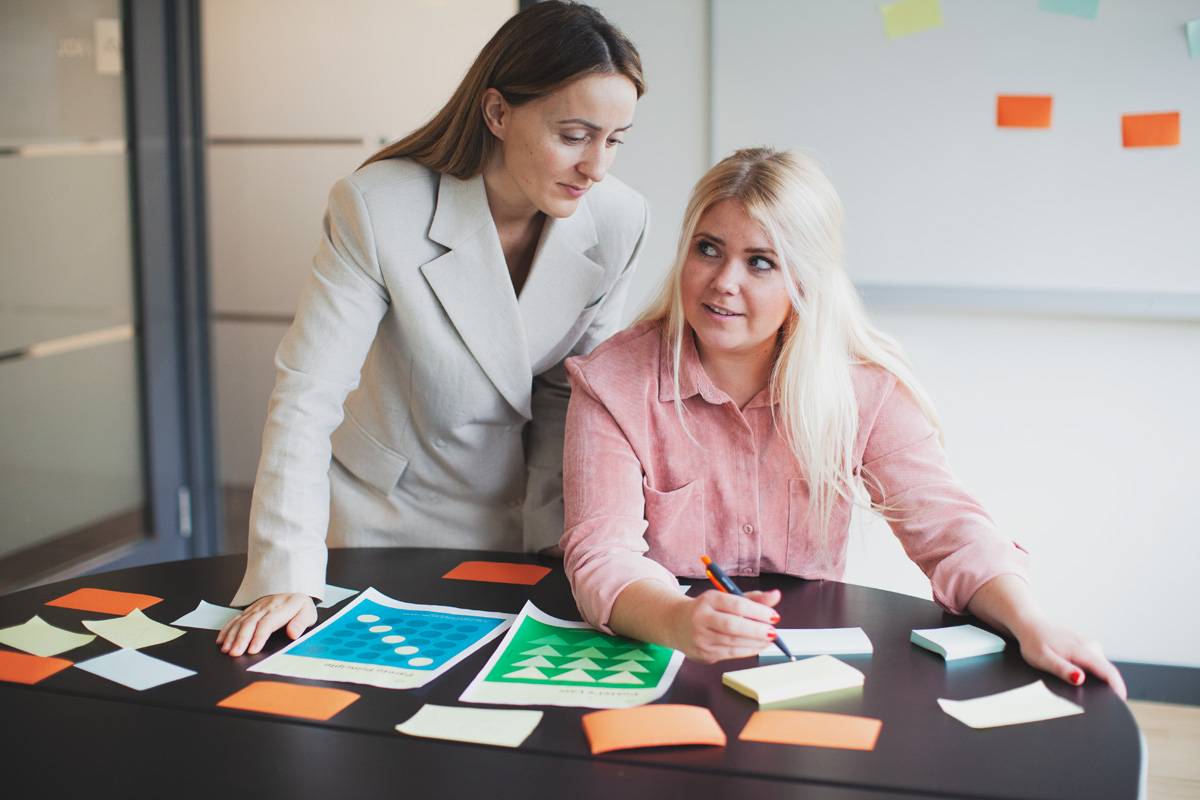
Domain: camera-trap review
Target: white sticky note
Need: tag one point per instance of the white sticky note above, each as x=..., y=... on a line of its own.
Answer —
x=499, y=727
x=133, y=669
x=778, y=683
x=335, y=595
x=207, y=616
x=957, y=641
x=41, y=638
x=819, y=641
x=1031, y=703
x=133, y=631
x=684, y=588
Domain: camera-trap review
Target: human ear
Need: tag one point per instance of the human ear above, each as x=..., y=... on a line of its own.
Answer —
x=496, y=112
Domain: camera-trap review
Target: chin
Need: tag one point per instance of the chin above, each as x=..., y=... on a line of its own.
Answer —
x=560, y=209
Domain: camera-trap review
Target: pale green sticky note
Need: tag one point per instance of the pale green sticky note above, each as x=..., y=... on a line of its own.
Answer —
x=1085, y=9
x=906, y=17
x=1193, y=37
x=1031, y=703
x=499, y=727
x=133, y=631
x=42, y=639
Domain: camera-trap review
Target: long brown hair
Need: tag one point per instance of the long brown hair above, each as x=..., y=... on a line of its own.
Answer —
x=538, y=50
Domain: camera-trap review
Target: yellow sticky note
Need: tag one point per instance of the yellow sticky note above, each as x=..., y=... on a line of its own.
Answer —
x=1030, y=703
x=779, y=683
x=41, y=638
x=494, y=726
x=133, y=631
x=906, y=17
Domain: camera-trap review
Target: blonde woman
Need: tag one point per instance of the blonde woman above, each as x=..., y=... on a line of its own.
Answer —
x=420, y=396
x=745, y=415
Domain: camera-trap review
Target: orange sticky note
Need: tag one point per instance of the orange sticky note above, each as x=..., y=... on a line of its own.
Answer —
x=498, y=572
x=812, y=728
x=290, y=699
x=104, y=601
x=651, y=726
x=24, y=668
x=1150, y=130
x=1023, y=110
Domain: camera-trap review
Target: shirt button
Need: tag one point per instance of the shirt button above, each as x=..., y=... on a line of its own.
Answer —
x=747, y=529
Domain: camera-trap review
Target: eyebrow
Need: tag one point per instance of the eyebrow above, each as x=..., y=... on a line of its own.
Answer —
x=590, y=125
x=719, y=240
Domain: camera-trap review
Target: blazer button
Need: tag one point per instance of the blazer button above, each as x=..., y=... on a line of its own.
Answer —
x=747, y=529
x=440, y=444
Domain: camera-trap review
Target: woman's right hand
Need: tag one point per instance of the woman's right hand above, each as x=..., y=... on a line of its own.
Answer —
x=716, y=626
x=249, y=631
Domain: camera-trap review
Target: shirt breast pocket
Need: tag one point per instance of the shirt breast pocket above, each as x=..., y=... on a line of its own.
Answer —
x=675, y=529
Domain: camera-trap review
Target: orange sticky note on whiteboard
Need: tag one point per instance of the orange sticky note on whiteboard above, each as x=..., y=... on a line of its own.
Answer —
x=1150, y=130
x=1023, y=110
x=498, y=572
x=24, y=668
x=290, y=699
x=105, y=601
x=812, y=728
x=651, y=726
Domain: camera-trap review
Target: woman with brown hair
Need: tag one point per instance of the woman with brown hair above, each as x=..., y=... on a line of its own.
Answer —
x=420, y=393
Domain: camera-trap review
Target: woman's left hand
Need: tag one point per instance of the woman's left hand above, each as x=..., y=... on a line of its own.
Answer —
x=1068, y=655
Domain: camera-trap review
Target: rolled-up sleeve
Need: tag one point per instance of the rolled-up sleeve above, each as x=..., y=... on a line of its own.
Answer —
x=942, y=528
x=604, y=538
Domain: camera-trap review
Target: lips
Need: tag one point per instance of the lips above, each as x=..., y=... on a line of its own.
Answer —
x=574, y=191
x=721, y=311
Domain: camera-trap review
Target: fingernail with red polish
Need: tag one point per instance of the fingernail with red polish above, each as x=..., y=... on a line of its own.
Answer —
x=771, y=635
x=1076, y=677
x=774, y=618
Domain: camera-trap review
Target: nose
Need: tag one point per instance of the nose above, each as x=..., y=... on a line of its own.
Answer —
x=595, y=162
x=726, y=280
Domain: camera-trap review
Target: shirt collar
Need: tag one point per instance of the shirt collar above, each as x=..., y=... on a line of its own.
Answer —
x=693, y=380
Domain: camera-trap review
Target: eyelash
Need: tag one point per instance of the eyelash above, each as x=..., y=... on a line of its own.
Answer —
x=704, y=244
x=581, y=139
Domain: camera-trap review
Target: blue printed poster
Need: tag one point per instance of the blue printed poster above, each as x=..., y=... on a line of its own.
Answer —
x=388, y=643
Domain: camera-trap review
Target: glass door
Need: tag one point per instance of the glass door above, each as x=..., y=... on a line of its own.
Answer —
x=82, y=408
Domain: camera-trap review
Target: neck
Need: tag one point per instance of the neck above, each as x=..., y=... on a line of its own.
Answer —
x=510, y=207
x=741, y=374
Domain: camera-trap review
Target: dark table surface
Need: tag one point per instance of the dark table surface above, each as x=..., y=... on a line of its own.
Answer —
x=75, y=733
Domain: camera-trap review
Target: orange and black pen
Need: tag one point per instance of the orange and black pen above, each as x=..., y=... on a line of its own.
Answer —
x=724, y=584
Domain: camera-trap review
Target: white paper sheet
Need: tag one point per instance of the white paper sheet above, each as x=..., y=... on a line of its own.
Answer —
x=1031, y=703
x=335, y=595
x=818, y=641
x=584, y=667
x=134, y=669
x=207, y=616
x=494, y=726
x=384, y=642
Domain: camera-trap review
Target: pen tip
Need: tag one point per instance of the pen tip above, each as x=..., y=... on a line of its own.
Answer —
x=707, y=561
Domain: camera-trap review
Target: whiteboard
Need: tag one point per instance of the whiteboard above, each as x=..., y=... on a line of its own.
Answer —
x=937, y=197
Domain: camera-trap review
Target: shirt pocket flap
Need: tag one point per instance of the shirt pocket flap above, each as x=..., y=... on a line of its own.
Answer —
x=366, y=458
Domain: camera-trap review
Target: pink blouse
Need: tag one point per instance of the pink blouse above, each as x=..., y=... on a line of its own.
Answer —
x=643, y=501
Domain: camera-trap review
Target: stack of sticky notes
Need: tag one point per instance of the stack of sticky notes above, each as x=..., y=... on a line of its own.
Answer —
x=779, y=683
x=957, y=641
x=819, y=641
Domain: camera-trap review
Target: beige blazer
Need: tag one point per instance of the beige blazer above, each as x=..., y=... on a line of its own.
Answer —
x=418, y=401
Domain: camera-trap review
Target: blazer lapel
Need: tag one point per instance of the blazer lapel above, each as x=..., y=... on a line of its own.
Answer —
x=562, y=281
x=472, y=284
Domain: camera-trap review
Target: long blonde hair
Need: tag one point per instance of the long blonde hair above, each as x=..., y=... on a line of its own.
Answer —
x=537, y=51
x=827, y=330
